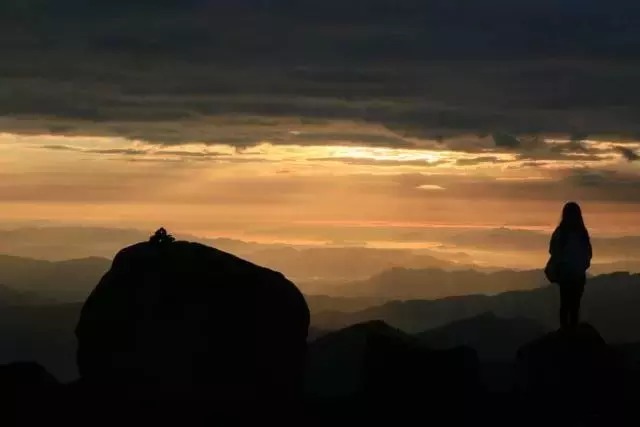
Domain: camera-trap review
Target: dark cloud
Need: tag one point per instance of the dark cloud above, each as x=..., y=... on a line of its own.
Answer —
x=628, y=153
x=55, y=147
x=480, y=160
x=136, y=151
x=188, y=153
x=584, y=185
x=412, y=29
x=574, y=145
x=122, y=151
x=161, y=72
x=564, y=156
x=380, y=162
x=504, y=140
x=575, y=151
x=605, y=185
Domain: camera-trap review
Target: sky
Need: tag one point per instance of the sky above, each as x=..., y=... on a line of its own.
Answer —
x=361, y=122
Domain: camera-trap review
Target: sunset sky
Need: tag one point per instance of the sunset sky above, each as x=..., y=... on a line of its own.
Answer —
x=353, y=125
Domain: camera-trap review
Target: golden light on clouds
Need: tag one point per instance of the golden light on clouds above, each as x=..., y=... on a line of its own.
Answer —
x=431, y=187
x=259, y=190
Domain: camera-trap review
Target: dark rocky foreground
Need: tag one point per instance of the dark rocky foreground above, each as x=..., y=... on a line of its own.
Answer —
x=178, y=333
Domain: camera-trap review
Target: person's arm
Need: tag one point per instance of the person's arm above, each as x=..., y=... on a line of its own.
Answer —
x=553, y=243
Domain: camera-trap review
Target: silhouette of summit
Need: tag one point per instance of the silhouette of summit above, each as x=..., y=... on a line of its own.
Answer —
x=572, y=373
x=175, y=318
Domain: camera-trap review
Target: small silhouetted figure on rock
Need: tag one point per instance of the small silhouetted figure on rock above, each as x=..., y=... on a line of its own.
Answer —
x=570, y=250
x=161, y=236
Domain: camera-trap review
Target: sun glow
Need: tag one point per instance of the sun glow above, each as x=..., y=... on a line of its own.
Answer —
x=391, y=154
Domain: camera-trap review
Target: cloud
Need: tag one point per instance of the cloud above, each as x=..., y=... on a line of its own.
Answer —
x=122, y=151
x=380, y=162
x=575, y=151
x=412, y=30
x=430, y=187
x=628, y=153
x=481, y=160
x=184, y=153
x=146, y=151
x=563, y=156
x=533, y=164
x=162, y=76
x=602, y=178
x=58, y=147
x=504, y=140
x=544, y=185
x=606, y=185
x=368, y=139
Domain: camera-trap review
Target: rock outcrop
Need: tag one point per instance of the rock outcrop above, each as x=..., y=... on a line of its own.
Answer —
x=374, y=361
x=28, y=393
x=571, y=374
x=174, y=318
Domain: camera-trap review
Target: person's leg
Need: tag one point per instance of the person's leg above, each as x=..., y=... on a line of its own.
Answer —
x=564, y=305
x=576, y=297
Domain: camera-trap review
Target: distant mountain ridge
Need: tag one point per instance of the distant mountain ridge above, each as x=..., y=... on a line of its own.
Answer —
x=42, y=333
x=433, y=283
x=71, y=280
x=12, y=297
x=299, y=262
x=610, y=303
x=493, y=337
x=64, y=280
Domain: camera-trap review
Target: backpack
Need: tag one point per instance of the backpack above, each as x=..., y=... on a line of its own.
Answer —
x=551, y=270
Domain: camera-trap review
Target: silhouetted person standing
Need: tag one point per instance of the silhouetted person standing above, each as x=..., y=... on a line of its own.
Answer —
x=571, y=253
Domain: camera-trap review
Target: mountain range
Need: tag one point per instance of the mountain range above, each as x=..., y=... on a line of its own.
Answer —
x=610, y=303
x=72, y=280
x=40, y=303
x=435, y=283
x=63, y=280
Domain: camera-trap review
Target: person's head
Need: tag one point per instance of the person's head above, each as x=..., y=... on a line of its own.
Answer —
x=572, y=216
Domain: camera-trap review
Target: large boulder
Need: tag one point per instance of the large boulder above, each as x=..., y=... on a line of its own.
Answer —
x=173, y=318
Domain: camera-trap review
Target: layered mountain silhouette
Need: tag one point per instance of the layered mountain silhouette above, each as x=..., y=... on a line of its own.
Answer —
x=493, y=338
x=374, y=362
x=348, y=263
x=435, y=283
x=68, y=281
x=609, y=302
x=12, y=297
x=41, y=333
x=179, y=329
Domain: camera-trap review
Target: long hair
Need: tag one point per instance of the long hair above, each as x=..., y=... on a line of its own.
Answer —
x=572, y=221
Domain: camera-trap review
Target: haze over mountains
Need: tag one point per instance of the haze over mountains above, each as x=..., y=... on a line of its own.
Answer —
x=437, y=294
x=64, y=263
x=63, y=280
x=322, y=259
x=492, y=311
x=610, y=303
